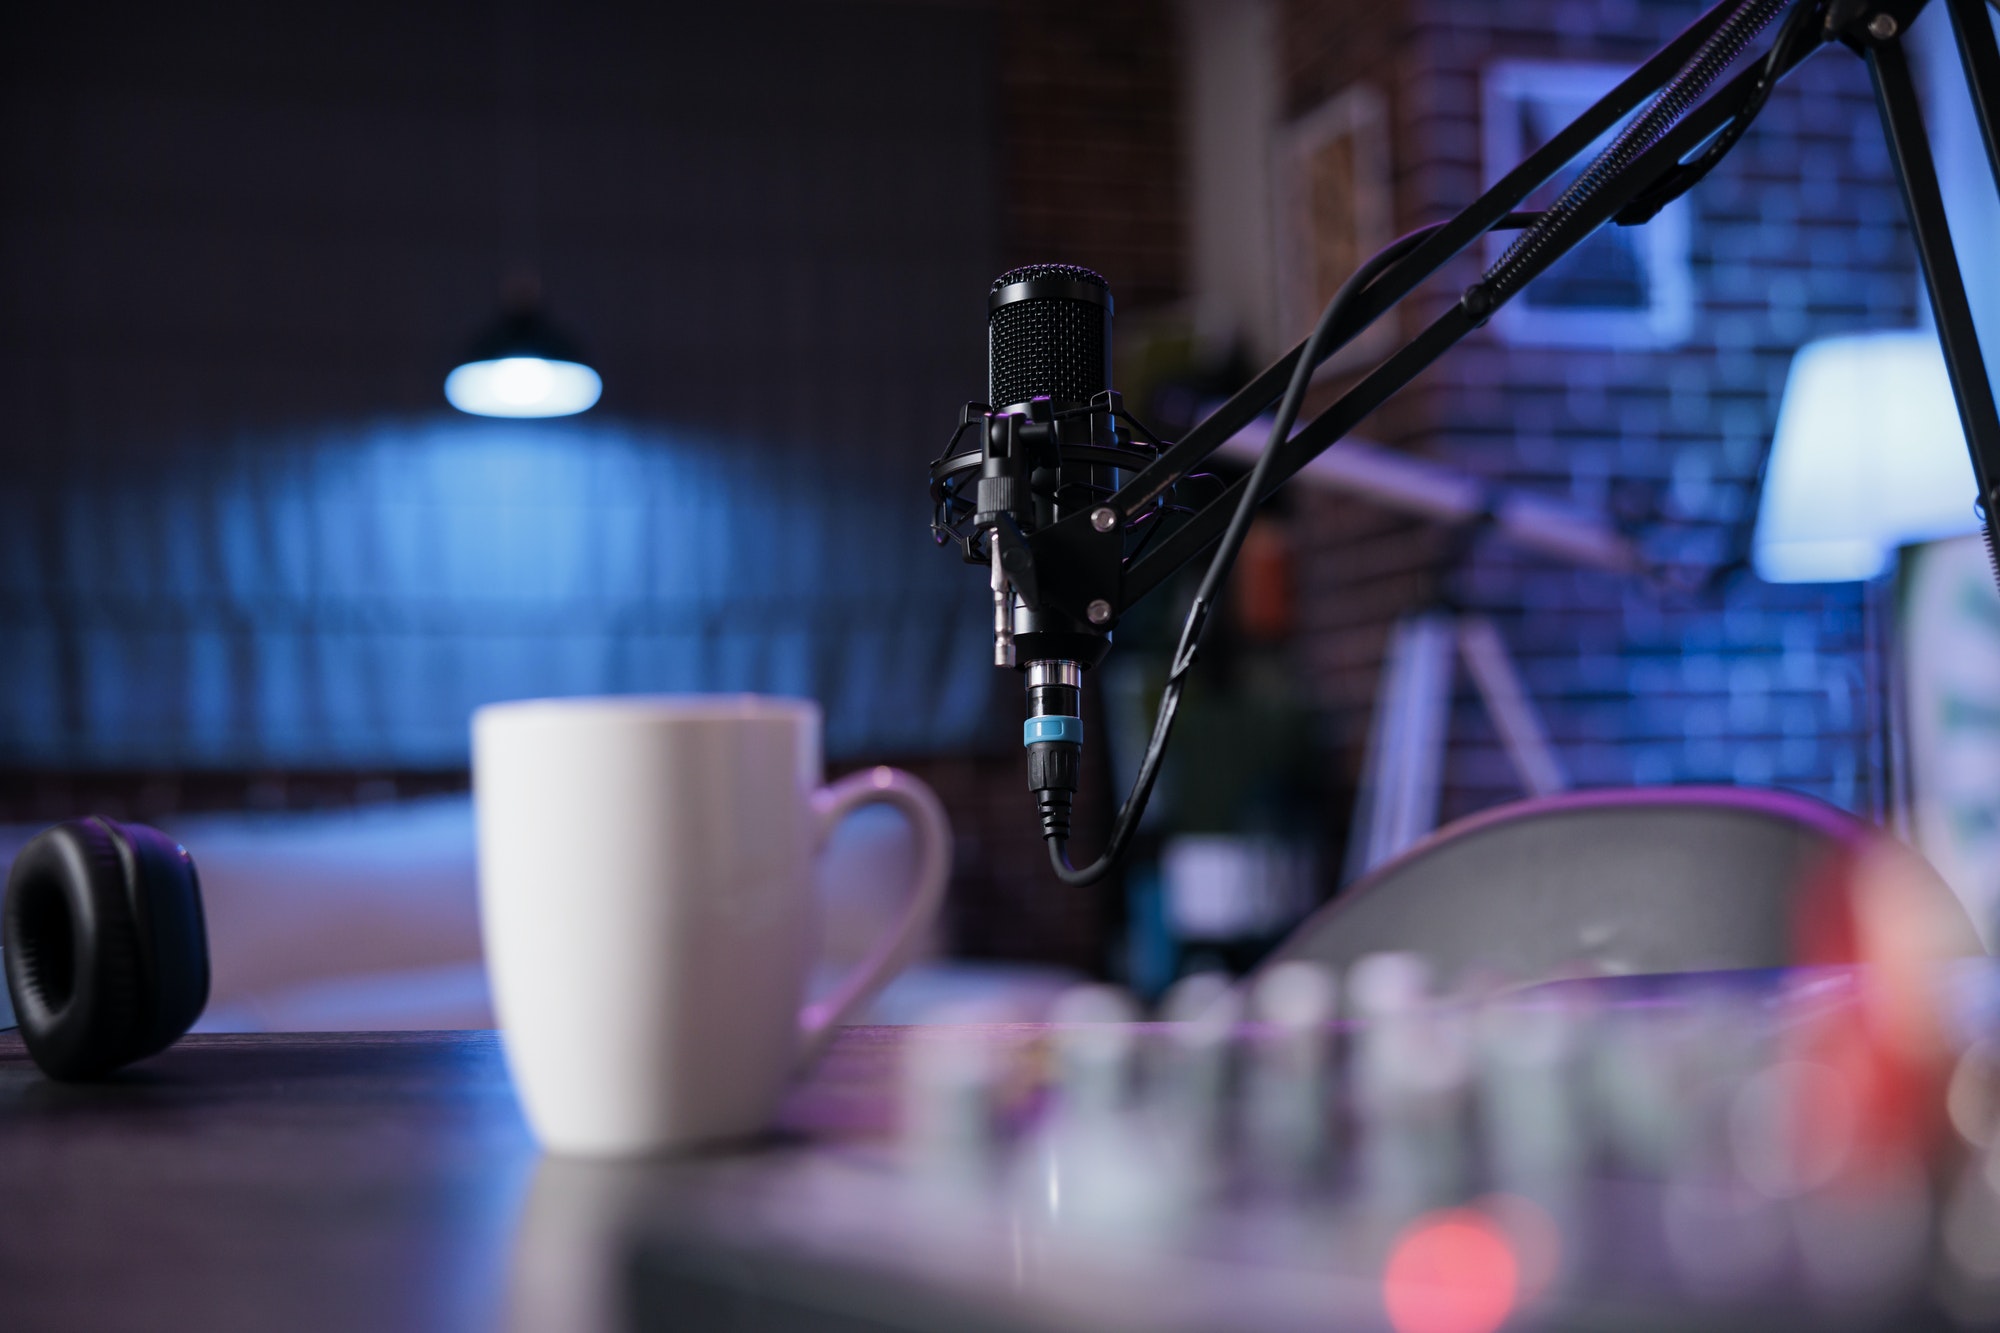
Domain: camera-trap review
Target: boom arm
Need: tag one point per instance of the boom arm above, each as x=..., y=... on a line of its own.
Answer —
x=1078, y=562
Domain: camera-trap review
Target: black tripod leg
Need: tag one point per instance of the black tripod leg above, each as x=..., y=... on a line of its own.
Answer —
x=1909, y=146
x=1981, y=57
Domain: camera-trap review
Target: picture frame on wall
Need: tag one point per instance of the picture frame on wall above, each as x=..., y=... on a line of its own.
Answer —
x=1335, y=209
x=1624, y=286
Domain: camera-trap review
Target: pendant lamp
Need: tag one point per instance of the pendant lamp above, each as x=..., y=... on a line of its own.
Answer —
x=523, y=367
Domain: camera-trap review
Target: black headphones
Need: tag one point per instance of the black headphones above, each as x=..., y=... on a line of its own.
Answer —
x=105, y=947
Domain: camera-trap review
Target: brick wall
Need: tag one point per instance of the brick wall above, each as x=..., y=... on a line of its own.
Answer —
x=1799, y=234
x=1090, y=150
x=1089, y=97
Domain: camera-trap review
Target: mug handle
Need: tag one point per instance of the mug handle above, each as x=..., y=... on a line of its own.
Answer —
x=913, y=796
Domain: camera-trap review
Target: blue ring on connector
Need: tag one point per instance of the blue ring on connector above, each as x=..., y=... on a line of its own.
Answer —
x=1052, y=729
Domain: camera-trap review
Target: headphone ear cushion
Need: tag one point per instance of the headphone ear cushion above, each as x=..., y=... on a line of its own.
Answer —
x=106, y=954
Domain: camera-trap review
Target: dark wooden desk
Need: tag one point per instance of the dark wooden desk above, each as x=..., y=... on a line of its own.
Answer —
x=263, y=1182
x=370, y=1182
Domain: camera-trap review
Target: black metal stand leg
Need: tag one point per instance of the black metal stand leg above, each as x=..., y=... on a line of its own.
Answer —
x=1902, y=120
x=1981, y=58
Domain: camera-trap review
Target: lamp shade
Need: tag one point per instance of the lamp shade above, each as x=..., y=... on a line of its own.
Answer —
x=1868, y=456
x=523, y=367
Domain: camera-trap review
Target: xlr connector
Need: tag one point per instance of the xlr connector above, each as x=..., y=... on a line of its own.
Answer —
x=1053, y=735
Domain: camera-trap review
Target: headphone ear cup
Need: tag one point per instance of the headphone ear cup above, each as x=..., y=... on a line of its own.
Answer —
x=173, y=937
x=106, y=954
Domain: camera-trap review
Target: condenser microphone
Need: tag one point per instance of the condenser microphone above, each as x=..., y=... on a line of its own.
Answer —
x=1048, y=395
x=1048, y=343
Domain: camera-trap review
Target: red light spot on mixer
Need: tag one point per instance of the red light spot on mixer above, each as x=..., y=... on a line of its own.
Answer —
x=1451, y=1272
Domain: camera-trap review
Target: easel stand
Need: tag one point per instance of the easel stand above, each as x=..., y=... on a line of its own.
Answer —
x=1404, y=770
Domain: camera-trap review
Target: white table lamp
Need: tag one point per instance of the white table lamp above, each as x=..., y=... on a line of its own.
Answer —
x=1868, y=456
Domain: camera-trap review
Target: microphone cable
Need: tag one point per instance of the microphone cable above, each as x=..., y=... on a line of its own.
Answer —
x=1195, y=629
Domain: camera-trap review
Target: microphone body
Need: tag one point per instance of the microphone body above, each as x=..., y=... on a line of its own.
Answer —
x=1048, y=337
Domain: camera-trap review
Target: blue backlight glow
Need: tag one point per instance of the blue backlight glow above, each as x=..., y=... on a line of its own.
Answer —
x=523, y=386
x=343, y=596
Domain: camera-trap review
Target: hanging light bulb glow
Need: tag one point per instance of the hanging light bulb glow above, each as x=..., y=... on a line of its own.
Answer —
x=522, y=386
x=523, y=368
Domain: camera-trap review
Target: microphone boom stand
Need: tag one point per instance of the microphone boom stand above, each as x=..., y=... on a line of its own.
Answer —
x=1077, y=562
x=1076, y=569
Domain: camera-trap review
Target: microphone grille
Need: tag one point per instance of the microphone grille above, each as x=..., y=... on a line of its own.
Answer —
x=1050, y=337
x=1074, y=272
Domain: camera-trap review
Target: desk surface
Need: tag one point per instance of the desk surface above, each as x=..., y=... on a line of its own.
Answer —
x=262, y=1182
x=387, y=1182
x=303, y=1182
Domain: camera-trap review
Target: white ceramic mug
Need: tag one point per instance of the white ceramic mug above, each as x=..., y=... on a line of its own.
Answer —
x=646, y=900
